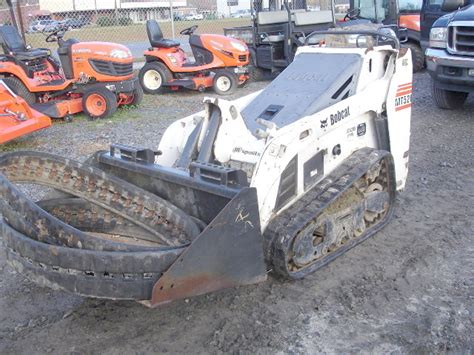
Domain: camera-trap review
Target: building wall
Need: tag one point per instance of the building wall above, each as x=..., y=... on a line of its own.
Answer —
x=92, y=5
x=27, y=13
x=224, y=10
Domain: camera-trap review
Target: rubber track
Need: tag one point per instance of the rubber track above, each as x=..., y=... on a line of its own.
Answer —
x=55, y=254
x=282, y=230
x=83, y=215
x=146, y=210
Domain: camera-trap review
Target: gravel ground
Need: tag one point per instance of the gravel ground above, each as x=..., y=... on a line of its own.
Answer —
x=410, y=288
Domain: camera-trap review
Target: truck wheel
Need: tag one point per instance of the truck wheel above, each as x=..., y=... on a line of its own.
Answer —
x=225, y=82
x=152, y=77
x=99, y=102
x=448, y=99
x=17, y=86
x=417, y=56
x=256, y=73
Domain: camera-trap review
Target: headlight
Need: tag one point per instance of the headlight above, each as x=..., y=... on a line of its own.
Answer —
x=120, y=54
x=172, y=58
x=438, y=37
x=239, y=46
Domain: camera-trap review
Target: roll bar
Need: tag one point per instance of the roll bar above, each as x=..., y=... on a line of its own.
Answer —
x=375, y=34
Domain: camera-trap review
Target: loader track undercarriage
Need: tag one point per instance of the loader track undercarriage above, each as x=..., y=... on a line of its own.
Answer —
x=344, y=209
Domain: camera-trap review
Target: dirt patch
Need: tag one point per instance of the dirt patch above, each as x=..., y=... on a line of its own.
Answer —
x=410, y=288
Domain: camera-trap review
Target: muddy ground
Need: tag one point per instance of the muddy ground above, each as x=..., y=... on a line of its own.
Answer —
x=410, y=288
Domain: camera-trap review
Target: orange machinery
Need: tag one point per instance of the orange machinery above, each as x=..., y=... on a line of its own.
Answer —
x=17, y=118
x=219, y=62
x=94, y=77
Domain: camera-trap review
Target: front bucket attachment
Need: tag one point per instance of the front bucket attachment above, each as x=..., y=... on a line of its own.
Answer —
x=228, y=253
x=99, y=236
x=16, y=117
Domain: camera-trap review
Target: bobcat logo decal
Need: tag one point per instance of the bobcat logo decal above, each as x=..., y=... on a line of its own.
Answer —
x=324, y=123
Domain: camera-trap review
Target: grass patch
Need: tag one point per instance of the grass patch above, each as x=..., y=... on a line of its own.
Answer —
x=22, y=143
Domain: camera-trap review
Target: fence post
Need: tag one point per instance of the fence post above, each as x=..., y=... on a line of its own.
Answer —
x=115, y=12
x=172, y=19
x=96, y=12
x=12, y=13
x=20, y=19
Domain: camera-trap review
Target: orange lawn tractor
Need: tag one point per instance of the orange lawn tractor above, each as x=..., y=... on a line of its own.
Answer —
x=219, y=62
x=94, y=77
x=17, y=118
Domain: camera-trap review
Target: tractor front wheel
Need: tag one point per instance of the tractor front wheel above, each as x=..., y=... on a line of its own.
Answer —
x=225, y=82
x=99, y=103
x=152, y=77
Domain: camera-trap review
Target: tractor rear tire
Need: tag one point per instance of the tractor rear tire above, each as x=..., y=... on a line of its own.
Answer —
x=225, y=82
x=447, y=99
x=17, y=86
x=152, y=77
x=99, y=102
x=417, y=56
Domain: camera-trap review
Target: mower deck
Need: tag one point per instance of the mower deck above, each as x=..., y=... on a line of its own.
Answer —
x=59, y=108
x=196, y=83
x=10, y=128
x=16, y=117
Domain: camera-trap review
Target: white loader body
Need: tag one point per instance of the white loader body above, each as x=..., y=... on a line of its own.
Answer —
x=383, y=87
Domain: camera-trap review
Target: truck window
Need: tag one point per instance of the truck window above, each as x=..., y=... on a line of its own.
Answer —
x=368, y=10
x=410, y=6
x=435, y=4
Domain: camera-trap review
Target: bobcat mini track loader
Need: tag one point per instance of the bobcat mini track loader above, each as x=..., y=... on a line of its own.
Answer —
x=282, y=180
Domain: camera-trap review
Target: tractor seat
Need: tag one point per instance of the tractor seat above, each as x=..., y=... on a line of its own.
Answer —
x=32, y=54
x=155, y=36
x=13, y=44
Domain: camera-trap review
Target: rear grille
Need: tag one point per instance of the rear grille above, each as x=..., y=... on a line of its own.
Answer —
x=242, y=58
x=111, y=68
x=461, y=39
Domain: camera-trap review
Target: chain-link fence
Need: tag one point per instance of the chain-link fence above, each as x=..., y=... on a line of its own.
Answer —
x=123, y=21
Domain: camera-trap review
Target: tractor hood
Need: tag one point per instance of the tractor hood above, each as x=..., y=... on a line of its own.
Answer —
x=224, y=44
x=108, y=51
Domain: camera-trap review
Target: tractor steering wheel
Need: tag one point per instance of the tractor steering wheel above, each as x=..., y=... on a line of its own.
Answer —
x=55, y=35
x=188, y=31
x=352, y=14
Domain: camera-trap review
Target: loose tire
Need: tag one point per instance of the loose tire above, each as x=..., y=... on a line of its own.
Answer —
x=99, y=102
x=17, y=86
x=225, y=82
x=152, y=77
x=446, y=99
x=417, y=56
